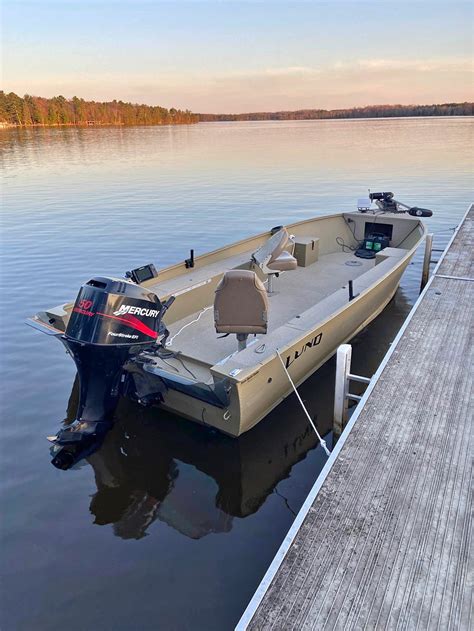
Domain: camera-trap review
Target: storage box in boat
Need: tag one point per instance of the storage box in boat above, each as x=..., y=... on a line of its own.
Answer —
x=306, y=250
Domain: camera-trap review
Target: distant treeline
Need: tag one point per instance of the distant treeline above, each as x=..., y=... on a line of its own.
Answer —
x=35, y=110
x=371, y=111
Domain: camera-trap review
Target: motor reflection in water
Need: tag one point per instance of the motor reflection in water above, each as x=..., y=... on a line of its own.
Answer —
x=153, y=465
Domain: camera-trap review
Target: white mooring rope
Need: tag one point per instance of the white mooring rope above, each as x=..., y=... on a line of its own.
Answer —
x=321, y=440
x=170, y=341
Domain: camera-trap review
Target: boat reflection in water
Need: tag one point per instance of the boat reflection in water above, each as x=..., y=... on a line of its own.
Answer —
x=154, y=465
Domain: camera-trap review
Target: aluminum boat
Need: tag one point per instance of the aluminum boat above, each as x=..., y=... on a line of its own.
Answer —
x=215, y=338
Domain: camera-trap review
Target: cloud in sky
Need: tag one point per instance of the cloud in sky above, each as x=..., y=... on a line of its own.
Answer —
x=422, y=65
x=237, y=57
x=340, y=84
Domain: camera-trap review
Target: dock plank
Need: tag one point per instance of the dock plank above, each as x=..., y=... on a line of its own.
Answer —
x=386, y=542
x=458, y=261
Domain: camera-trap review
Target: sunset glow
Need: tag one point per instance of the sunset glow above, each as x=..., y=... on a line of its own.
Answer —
x=244, y=56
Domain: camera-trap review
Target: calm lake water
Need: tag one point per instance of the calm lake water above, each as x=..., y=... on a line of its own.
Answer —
x=170, y=525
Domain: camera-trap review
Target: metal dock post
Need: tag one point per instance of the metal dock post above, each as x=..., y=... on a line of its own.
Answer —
x=426, y=260
x=341, y=389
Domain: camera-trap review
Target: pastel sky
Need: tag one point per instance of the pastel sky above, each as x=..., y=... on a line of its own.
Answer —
x=240, y=56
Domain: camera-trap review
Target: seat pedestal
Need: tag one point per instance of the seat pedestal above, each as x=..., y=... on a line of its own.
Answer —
x=242, y=341
x=270, y=283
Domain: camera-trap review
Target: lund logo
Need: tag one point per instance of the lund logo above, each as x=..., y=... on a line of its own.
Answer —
x=143, y=311
x=314, y=342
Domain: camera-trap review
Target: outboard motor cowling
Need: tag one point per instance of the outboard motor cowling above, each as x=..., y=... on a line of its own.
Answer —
x=114, y=312
x=112, y=321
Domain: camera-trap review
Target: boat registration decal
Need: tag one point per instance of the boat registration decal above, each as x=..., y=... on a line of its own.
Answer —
x=297, y=354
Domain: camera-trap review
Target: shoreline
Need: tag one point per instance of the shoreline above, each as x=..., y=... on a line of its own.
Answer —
x=4, y=125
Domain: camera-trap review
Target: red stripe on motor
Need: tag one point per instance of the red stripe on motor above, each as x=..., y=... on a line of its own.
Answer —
x=133, y=323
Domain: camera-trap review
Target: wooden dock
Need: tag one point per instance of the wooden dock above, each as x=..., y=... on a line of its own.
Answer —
x=383, y=541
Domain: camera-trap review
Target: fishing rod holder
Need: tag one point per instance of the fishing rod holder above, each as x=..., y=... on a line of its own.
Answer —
x=190, y=261
x=351, y=291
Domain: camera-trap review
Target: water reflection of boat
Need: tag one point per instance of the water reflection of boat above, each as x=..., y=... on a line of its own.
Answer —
x=197, y=480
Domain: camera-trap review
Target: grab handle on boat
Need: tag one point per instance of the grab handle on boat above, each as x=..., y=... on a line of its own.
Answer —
x=321, y=440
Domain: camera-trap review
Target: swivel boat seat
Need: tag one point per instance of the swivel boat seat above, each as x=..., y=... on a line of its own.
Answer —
x=272, y=257
x=241, y=305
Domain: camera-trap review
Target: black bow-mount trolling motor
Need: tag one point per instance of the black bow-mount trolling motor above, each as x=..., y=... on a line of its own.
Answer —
x=386, y=202
x=112, y=321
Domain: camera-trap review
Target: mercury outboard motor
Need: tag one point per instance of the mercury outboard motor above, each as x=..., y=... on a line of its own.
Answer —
x=112, y=321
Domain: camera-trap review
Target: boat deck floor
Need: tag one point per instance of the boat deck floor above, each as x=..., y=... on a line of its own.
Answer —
x=294, y=293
